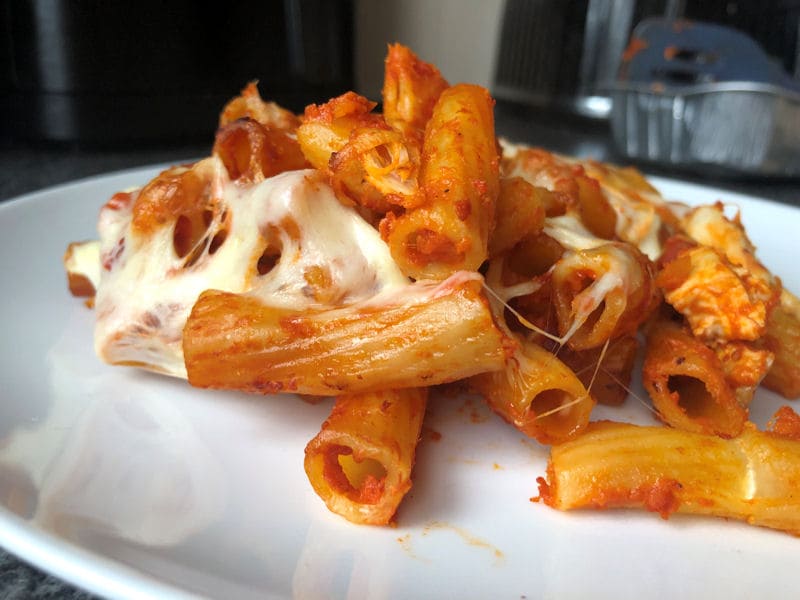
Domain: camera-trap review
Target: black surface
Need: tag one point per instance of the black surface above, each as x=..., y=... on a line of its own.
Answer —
x=19, y=581
x=28, y=168
x=82, y=70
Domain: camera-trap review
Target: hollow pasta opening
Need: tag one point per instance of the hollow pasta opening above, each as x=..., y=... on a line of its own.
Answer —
x=197, y=230
x=188, y=231
x=221, y=233
x=534, y=255
x=271, y=253
x=217, y=241
x=579, y=280
x=361, y=480
x=553, y=411
x=268, y=259
x=693, y=397
x=571, y=308
x=382, y=156
x=360, y=473
x=591, y=321
x=235, y=145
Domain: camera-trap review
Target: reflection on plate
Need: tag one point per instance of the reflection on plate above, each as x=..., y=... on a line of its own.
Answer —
x=128, y=483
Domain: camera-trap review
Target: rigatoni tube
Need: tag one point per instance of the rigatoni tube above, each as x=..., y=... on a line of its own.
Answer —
x=754, y=477
x=428, y=334
x=360, y=462
x=538, y=394
x=687, y=384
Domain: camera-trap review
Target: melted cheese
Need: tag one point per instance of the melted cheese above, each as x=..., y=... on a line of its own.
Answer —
x=638, y=221
x=544, y=178
x=616, y=274
x=568, y=231
x=146, y=294
x=613, y=267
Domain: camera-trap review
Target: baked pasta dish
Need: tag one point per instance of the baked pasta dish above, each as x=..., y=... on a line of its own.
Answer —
x=372, y=255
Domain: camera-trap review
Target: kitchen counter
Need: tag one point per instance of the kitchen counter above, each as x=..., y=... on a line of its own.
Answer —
x=26, y=168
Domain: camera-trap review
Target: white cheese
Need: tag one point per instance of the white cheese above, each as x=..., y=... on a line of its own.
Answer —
x=613, y=267
x=144, y=299
x=568, y=231
x=637, y=222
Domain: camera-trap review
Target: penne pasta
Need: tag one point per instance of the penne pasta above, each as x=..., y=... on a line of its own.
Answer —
x=377, y=168
x=362, y=278
x=249, y=105
x=411, y=88
x=521, y=288
x=519, y=214
x=612, y=202
x=459, y=177
x=594, y=209
x=326, y=128
x=687, y=384
x=783, y=338
x=534, y=255
x=644, y=218
x=252, y=152
x=602, y=293
x=753, y=477
x=426, y=334
x=538, y=394
x=360, y=462
x=368, y=162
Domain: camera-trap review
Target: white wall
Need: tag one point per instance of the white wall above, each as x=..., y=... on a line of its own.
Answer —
x=458, y=36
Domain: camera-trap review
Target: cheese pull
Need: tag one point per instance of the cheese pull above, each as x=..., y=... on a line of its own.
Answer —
x=287, y=240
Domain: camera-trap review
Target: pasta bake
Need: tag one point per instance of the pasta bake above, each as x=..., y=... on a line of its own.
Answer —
x=370, y=256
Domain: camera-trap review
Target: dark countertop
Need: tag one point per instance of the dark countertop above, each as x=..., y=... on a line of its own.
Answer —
x=27, y=168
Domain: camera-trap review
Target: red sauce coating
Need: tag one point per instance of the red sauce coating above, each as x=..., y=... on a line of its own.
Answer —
x=119, y=201
x=661, y=496
x=785, y=423
x=546, y=493
x=371, y=489
x=674, y=246
x=347, y=104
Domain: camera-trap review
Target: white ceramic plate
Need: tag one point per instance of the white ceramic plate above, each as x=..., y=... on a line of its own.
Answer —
x=130, y=484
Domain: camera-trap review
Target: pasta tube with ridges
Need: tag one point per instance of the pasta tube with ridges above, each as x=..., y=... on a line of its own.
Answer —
x=754, y=477
x=460, y=180
x=425, y=334
x=687, y=384
x=538, y=394
x=360, y=462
